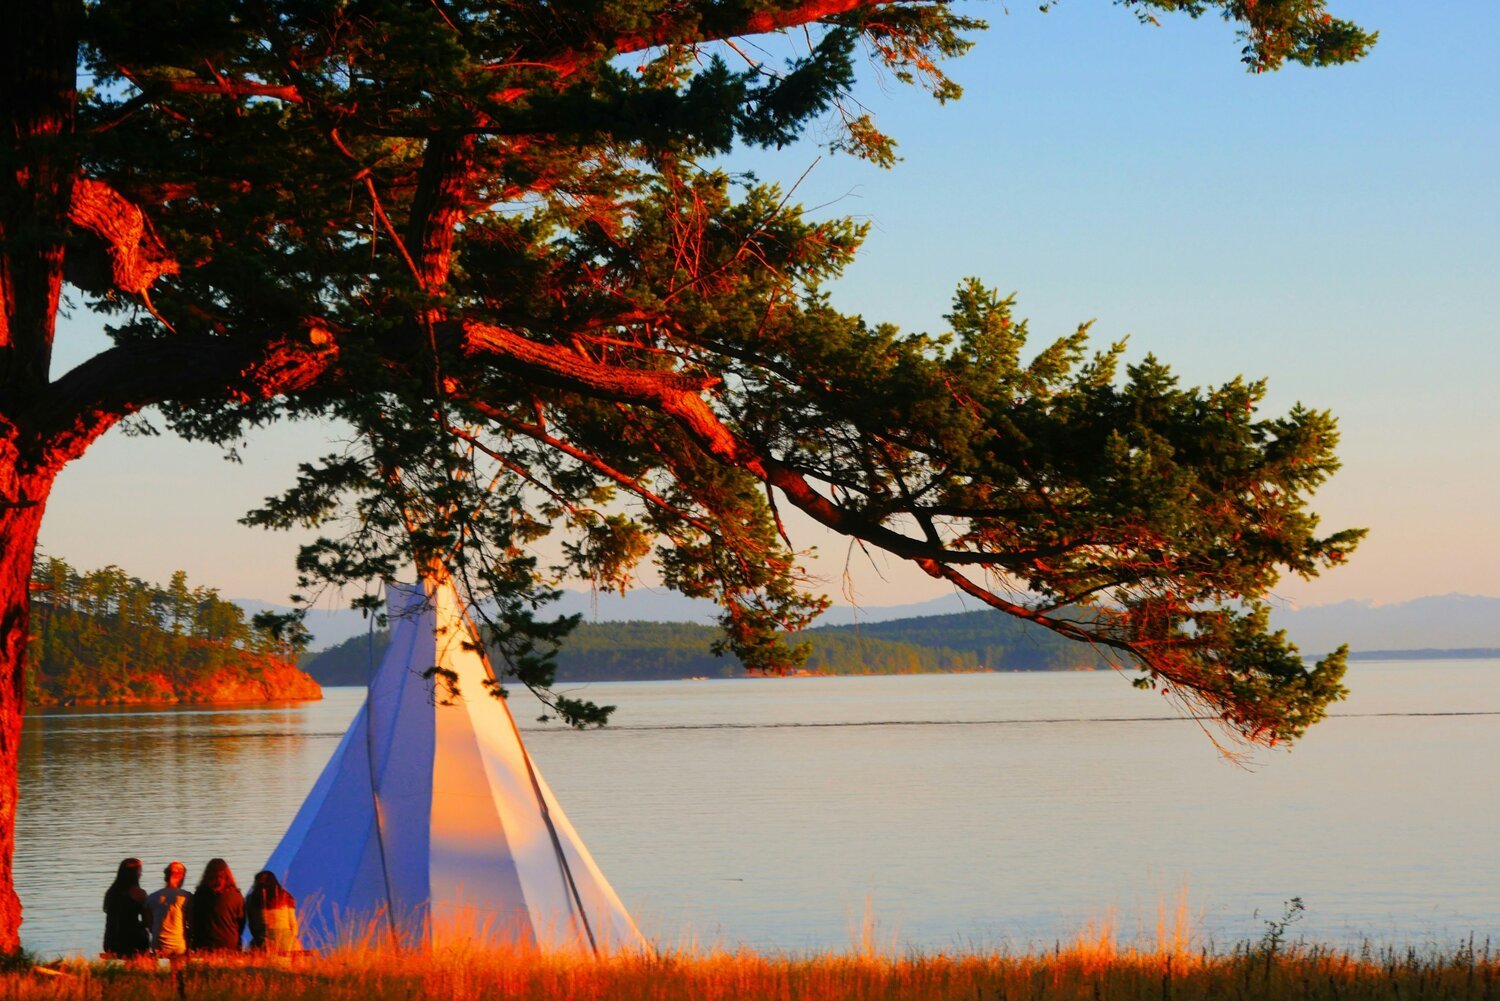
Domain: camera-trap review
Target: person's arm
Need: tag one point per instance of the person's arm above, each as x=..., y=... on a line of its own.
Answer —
x=150, y=916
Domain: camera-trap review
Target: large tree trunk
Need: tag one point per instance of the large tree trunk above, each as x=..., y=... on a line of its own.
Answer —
x=37, y=170
x=18, y=533
x=38, y=167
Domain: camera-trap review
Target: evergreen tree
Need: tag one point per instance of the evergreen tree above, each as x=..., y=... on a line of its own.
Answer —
x=104, y=636
x=476, y=231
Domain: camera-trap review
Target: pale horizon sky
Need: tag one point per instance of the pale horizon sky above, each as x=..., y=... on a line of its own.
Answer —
x=1332, y=230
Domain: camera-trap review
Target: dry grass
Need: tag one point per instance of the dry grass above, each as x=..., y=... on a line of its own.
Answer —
x=1093, y=967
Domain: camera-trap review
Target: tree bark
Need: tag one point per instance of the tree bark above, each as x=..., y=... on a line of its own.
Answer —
x=38, y=167
x=19, y=525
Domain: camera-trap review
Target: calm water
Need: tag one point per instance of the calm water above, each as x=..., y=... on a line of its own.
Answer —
x=975, y=810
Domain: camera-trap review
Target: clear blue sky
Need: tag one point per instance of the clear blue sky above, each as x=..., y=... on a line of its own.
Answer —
x=1332, y=230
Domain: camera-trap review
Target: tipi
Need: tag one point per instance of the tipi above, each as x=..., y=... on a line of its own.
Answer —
x=431, y=824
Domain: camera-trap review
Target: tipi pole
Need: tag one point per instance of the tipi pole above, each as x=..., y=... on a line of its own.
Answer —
x=562, y=858
x=385, y=870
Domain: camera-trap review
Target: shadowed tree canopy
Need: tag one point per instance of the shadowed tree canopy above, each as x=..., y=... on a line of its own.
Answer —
x=483, y=235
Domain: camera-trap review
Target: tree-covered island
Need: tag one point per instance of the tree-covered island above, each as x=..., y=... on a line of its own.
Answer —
x=103, y=636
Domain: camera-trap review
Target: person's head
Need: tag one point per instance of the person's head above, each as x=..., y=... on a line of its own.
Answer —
x=216, y=876
x=270, y=890
x=175, y=873
x=127, y=877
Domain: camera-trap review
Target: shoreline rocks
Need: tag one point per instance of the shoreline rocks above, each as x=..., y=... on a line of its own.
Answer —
x=268, y=681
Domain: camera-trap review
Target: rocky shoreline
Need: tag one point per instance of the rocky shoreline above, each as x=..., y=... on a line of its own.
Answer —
x=273, y=681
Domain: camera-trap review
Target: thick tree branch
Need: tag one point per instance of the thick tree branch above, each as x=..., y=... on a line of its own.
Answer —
x=91, y=398
x=437, y=207
x=539, y=434
x=220, y=85
x=565, y=368
x=942, y=571
x=137, y=256
x=719, y=23
x=679, y=397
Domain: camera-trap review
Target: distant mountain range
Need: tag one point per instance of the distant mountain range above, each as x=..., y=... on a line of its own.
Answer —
x=1438, y=622
x=1443, y=622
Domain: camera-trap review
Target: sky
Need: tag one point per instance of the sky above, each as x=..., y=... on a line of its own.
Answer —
x=1333, y=231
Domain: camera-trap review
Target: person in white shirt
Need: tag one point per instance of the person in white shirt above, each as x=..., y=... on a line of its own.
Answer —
x=168, y=908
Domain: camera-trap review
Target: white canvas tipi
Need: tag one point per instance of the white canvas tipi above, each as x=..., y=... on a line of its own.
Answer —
x=431, y=824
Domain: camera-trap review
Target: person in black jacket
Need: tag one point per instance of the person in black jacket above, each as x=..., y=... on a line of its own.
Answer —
x=218, y=910
x=127, y=929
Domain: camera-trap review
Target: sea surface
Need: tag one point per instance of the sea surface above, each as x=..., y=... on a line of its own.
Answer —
x=928, y=812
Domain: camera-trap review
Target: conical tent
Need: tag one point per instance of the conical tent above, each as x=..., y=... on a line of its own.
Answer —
x=431, y=823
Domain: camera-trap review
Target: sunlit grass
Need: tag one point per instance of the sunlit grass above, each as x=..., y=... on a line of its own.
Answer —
x=1094, y=966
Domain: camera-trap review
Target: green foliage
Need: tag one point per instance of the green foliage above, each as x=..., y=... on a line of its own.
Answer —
x=284, y=629
x=1276, y=30
x=500, y=261
x=106, y=636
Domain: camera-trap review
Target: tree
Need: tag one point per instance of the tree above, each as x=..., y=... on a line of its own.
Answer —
x=108, y=636
x=477, y=231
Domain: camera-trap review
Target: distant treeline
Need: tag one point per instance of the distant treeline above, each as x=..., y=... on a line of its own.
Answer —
x=105, y=636
x=988, y=638
x=658, y=651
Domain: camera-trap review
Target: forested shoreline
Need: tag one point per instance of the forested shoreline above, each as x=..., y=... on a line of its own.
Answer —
x=104, y=636
x=663, y=651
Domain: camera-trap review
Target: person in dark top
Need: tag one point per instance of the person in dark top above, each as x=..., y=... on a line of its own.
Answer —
x=218, y=910
x=127, y=929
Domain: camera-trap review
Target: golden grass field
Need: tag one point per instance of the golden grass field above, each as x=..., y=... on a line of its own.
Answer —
x=1065, y=974
x=1093, y=966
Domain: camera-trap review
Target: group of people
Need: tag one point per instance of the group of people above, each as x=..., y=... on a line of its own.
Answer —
x=211, y=919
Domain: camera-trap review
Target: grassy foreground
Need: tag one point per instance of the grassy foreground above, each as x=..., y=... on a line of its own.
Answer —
x=1084, y=970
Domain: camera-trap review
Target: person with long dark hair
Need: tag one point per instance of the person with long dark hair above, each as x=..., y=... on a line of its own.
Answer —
x=218, y=910
x=272, y=914
x=127, y=927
